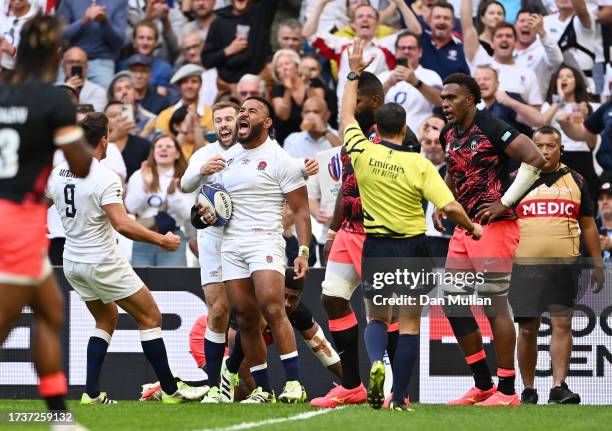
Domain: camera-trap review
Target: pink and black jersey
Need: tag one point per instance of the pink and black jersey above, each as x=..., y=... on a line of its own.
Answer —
x=351, y=200
x=29, y=116
x=477, y=163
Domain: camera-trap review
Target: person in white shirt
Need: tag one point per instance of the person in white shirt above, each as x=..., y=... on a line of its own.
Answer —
x=513, y=78
x=203, y=167
x=154, y=197
x=323, y=190
x=74, y=66
x=13, y=15
x=364, y=23
x=578, y=41
x=410, y=85
x=432, y=150
x=316, y=134
x=260, y=177
x=535, y=48
x=90, y=208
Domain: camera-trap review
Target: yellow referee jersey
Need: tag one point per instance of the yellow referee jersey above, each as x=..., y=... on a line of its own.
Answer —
x=392, y=183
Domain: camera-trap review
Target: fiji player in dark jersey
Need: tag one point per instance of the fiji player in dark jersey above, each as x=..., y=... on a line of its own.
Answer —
x=35, y=117
x=479, y=148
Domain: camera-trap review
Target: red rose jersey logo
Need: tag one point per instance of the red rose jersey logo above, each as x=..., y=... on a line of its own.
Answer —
x=261, y=166
x=269, y=259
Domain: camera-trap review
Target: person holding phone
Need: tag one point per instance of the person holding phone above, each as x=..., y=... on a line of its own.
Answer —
x=410, y=85
x=238, y=40
x=75, y=68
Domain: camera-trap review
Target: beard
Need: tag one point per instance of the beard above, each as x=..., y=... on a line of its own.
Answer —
x=365, y=119
x=254, y=133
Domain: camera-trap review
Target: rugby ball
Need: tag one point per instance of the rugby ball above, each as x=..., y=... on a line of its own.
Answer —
x=215, y=197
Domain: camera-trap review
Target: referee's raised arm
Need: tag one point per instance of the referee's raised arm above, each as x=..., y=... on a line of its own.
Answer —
x=349, y=99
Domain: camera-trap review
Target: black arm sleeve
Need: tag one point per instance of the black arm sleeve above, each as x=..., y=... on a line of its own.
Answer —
x=196, y=220
x=301, y=319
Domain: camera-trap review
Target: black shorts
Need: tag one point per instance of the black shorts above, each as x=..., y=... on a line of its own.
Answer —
x=403, y=258
x=535, y=289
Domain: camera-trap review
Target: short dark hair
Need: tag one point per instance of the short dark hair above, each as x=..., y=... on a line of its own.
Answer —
x=465, y=81
x=549, y=130
x=370, y=84
x=390, y=119
x=407, y=33
x=291, y=283
x=445, y=5
x=485, y=5
x=264, y=102
x=112, y=103
x=502, y=25
x=178, y=116
x=95, y=127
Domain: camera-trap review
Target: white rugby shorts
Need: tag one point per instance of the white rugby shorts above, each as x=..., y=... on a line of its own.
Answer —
x=209, y=247
x=241, y=257
x=108, y=281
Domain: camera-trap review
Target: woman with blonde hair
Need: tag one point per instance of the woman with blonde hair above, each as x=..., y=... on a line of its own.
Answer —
x=292, y=89
x=154, y=197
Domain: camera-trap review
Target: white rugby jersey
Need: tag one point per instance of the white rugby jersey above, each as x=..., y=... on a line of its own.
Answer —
x=90, y=237
x=192, y=179
x=257, y=181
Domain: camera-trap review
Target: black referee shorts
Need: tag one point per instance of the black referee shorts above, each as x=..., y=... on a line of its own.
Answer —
x=535, y=289
x=391, y=268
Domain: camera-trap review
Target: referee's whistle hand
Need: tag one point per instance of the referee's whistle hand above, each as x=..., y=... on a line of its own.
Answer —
x=437, y=220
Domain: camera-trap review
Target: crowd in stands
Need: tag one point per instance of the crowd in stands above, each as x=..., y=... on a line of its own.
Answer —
x=155, y=67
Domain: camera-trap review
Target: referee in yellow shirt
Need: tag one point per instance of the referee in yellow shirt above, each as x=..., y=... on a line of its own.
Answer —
x=393, y=182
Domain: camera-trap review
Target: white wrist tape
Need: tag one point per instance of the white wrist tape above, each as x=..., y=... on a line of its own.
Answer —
x=70, y=137
x=526, y=176
x=322, y=350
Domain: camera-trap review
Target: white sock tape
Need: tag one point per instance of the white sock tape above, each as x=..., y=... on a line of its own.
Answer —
x=215, y=337
x=101, y=333
x=150, y=334
x=289, y=355
x=259, y=367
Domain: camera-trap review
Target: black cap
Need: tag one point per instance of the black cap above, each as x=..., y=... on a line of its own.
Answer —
x=139, y=59
x=605, y=187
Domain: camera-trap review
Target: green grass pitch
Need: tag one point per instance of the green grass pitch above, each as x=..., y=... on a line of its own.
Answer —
x=152, y=416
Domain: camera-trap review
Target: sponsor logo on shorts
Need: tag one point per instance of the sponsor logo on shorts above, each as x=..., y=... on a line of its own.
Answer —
x=269, y=259
x=213, y=274
x=261, y=166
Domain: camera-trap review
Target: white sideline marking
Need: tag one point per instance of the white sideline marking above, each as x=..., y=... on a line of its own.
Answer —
x=298, y=417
